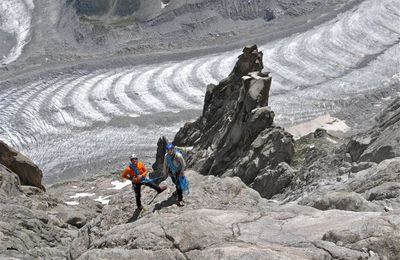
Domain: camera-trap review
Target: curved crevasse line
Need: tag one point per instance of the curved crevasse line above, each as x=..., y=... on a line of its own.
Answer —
x=47, y=108
x=156, y=90
x=35, y=124
x=11, y=99
x=174, y=97
x=110, y=93
x=122, y=95
x=337, y=46
x=140, y=86
x=99, y=95
x=16, y=19
x=83, y=106
x=203, y=74
x=9, y=125
x=177, y=80
x=64, y=100
x=181, y=78
x=135, y=93
x=333, y=96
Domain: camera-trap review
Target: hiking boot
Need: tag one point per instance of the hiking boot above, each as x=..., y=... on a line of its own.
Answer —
x=162, y=188
x=180, y=203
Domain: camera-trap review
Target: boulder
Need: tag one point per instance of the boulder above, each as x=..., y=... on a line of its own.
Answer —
x=76, y=219
x=27, y=171
x=271, y=182
x=385, y=191
x=387, y=171
x=349, y=201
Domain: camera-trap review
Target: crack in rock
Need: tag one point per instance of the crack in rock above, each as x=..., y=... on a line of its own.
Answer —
x=173, y=241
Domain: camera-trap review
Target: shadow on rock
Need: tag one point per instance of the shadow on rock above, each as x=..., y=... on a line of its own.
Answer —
x=166, y=203
x=135, y=216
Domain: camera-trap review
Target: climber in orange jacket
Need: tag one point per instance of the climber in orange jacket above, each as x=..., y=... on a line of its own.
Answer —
x=137, y=173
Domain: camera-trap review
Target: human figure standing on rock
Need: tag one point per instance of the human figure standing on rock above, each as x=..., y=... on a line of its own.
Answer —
x=137, y=173
x=174, y=166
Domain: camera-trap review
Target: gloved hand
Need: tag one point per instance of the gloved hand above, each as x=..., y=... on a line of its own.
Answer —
x=137, y=180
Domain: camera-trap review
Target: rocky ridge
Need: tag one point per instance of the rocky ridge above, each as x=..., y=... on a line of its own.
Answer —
x=235, y=136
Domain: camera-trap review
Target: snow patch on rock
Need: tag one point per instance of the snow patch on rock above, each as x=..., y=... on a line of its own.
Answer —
x=72, y=203
x=325, y=122
x=118, y=185
x=83, y=194
x=103, y=200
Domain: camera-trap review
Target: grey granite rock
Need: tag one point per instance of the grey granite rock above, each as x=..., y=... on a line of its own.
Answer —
x=27, y=171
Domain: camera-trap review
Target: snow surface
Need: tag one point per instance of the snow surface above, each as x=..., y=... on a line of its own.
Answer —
x=104, y=200
x=118, y=185
x=325, y=122
x=72, y=203
x=80, y=195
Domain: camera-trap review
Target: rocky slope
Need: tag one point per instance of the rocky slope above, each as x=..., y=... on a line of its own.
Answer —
x=362, y=171
x=223, y=218
x=28, y=228
x=382, y=141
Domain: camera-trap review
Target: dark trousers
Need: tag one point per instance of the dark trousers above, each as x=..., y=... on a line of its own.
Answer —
x=138, y=187
x=176, y=180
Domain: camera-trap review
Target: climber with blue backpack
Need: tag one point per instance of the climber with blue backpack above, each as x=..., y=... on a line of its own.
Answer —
x=174, y=166
x=137, y=173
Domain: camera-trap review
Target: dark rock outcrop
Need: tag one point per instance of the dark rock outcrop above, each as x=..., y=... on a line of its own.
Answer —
x=235, y=136
x=382, y=141
x=158, y=164
x=27, y=171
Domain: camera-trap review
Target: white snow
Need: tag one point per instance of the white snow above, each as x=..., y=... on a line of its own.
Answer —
x=73, y=203
x=325, y=122
x=331, y=140
x=163, y=5
x=104, y=200
x=80, y=195
x=118, y=185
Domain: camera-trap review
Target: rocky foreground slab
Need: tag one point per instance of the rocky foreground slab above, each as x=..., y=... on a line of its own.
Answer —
x=222, y=219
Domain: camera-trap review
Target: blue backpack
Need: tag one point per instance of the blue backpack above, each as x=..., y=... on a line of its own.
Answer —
x=183, y=181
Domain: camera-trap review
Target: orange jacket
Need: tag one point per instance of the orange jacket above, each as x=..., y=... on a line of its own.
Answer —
x=130, y=174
